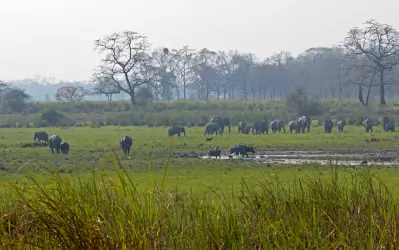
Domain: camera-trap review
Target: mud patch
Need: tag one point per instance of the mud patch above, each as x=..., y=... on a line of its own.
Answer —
x=323, y=158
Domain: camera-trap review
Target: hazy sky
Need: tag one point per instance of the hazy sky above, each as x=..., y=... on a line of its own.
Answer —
x=55, y=38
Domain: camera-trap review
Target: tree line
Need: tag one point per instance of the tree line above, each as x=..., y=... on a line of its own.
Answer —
x=364, y=65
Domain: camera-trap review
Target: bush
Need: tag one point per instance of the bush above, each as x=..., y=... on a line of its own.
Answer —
x=52, y=117
x=300, y=102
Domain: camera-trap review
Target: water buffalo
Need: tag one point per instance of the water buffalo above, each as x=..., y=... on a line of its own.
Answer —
x=241, y=150
x=215, y=152
x=368, y=125
x=221, y=121
x=260, y=127
x=176, y=130
x=40, y=136
x=292, y=125
x=64, y=147
x=328, y=125
x=54, y=142
x=341, y=125
x=241, y=126
x=126, y=143
x=304, y=122
x=277, y=125
x=211, y=128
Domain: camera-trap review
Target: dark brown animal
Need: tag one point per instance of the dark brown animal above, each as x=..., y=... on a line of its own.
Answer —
x=364, y=162
x=215, y=152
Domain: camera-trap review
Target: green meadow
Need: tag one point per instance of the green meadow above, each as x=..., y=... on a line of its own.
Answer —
x=97, y=198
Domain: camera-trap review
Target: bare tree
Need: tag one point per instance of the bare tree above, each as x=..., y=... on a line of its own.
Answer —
x=70, y=94
x=360, y=78
x=242, y=73
x=165, y=82
x=126, y=60
x=206, y=74
x=184, y=65
x=377, y=42
x=104, y=85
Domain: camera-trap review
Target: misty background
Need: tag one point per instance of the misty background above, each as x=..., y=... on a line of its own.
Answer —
x=48, y=44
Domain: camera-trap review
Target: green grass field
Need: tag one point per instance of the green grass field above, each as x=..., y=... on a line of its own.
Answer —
x=91, y=146
x=94, y=199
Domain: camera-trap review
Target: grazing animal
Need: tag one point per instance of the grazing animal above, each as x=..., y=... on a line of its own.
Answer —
x=241, y=126
x=293, y=125
x=368, y=125
x=341, y=125
x=215, y=152
x=384, y=122
x=247, y=129
x=241, y=150
x=176, y=130
x=277, y=125
x=328, y=125
x=54, y=142
x=364, y=162
x=221, y=121
x=40, y=136
x=209, y=139
x=64, y=147
x=304, y=122
x=211, y=128
x=390, y=126
x=260, y=127
x=126, y=143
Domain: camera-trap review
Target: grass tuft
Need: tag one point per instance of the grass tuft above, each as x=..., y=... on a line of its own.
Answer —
x=108, y=212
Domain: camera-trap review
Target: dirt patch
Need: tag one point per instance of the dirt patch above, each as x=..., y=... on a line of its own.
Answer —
x=302, y=157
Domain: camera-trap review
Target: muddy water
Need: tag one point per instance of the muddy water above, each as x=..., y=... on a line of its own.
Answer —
x=351, y=159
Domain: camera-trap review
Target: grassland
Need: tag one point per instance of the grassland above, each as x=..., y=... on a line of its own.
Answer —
x=93, y=199
x=191, y=113
x=89, y=146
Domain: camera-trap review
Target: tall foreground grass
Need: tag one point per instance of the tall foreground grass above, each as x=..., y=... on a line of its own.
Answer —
x=110, y=213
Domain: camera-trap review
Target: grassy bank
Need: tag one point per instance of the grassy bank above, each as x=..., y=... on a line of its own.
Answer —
x=190, y=113
x=93, y=199
x=343, y=208
x=89, y=146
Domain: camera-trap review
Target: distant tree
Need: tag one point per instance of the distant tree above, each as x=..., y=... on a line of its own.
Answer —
x=3, y=87
x=299, y=101
x=70, y=94
x=12, y=99
x=165, y=81
x=103, y=85
x=126, y=60
x=52, y=117
x=144, y=95
x=47, y=98
x=379, y=45
x=183, y=61
x=361, y=78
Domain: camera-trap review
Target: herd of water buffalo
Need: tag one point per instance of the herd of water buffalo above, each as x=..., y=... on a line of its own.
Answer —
x=216, y=126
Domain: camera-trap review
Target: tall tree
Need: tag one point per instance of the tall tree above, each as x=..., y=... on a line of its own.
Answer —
x=183, y=60
x=379, y=44
x=126, y=60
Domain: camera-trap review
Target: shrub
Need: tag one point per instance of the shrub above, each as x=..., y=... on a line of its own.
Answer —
x=52, y=117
